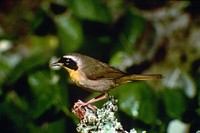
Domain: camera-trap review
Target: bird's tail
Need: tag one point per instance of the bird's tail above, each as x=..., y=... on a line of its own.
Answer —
x=135, y=77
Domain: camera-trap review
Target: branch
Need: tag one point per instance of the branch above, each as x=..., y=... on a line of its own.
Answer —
x=102, y=120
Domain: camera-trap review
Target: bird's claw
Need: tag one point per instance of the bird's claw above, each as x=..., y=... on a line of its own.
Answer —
x=79, y=108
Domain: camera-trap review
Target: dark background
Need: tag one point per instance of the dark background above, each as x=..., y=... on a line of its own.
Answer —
x=134, y=36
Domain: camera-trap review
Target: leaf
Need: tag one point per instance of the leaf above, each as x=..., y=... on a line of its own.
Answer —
x=121, y=60
x=91, y=10
x=69, y=32
x=7, y=64
x=132, y=29
x=138, y=101
x=174, y=102
x=46, y=94
x=25, y=65
x=38, y=51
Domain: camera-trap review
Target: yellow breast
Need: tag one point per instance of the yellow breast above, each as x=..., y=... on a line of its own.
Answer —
x=76, y=76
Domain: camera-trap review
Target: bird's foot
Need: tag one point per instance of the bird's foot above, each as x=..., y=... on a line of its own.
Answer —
x=79, y=108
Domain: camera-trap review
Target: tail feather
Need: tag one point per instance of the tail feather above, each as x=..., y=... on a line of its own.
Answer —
x=135, y=77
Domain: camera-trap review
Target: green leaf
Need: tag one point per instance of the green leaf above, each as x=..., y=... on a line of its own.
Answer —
x=133, y=28
x=117, y=59
x=8, y=63
x=46, y=94
x=121, y=60
x=174, y=102
x=69, y=32
x=40, y=44
x=91, y=10
x=138, y=101
x=37, y=51
x=27, y=64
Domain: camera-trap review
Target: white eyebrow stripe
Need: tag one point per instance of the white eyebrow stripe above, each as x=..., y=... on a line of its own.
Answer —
x=72, y=57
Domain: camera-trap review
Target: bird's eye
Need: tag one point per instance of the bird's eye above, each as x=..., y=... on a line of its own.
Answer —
x=70, y=64
x=67, y=62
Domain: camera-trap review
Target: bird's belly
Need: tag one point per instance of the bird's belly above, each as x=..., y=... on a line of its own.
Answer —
x=102, y=85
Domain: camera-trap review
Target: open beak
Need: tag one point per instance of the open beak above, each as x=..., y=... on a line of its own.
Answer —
x=56, y=64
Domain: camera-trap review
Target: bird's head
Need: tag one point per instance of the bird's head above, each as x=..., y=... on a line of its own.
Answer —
x=70, y=62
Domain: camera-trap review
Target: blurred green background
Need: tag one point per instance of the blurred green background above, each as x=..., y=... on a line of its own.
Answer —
x=134, y=36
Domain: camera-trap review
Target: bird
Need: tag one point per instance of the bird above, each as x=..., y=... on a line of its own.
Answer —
x=96, y=76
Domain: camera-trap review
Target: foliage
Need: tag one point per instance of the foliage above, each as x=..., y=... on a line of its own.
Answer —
x=135, y=36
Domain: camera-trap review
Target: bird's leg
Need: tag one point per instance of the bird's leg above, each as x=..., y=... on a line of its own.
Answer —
x=80, y=103
x=78, y=109
x=99, y=98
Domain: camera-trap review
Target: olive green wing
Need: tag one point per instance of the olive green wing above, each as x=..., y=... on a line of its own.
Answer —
x=98, y=70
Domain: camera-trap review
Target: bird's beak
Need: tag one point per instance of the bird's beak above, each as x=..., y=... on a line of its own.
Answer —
x=56, y=64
